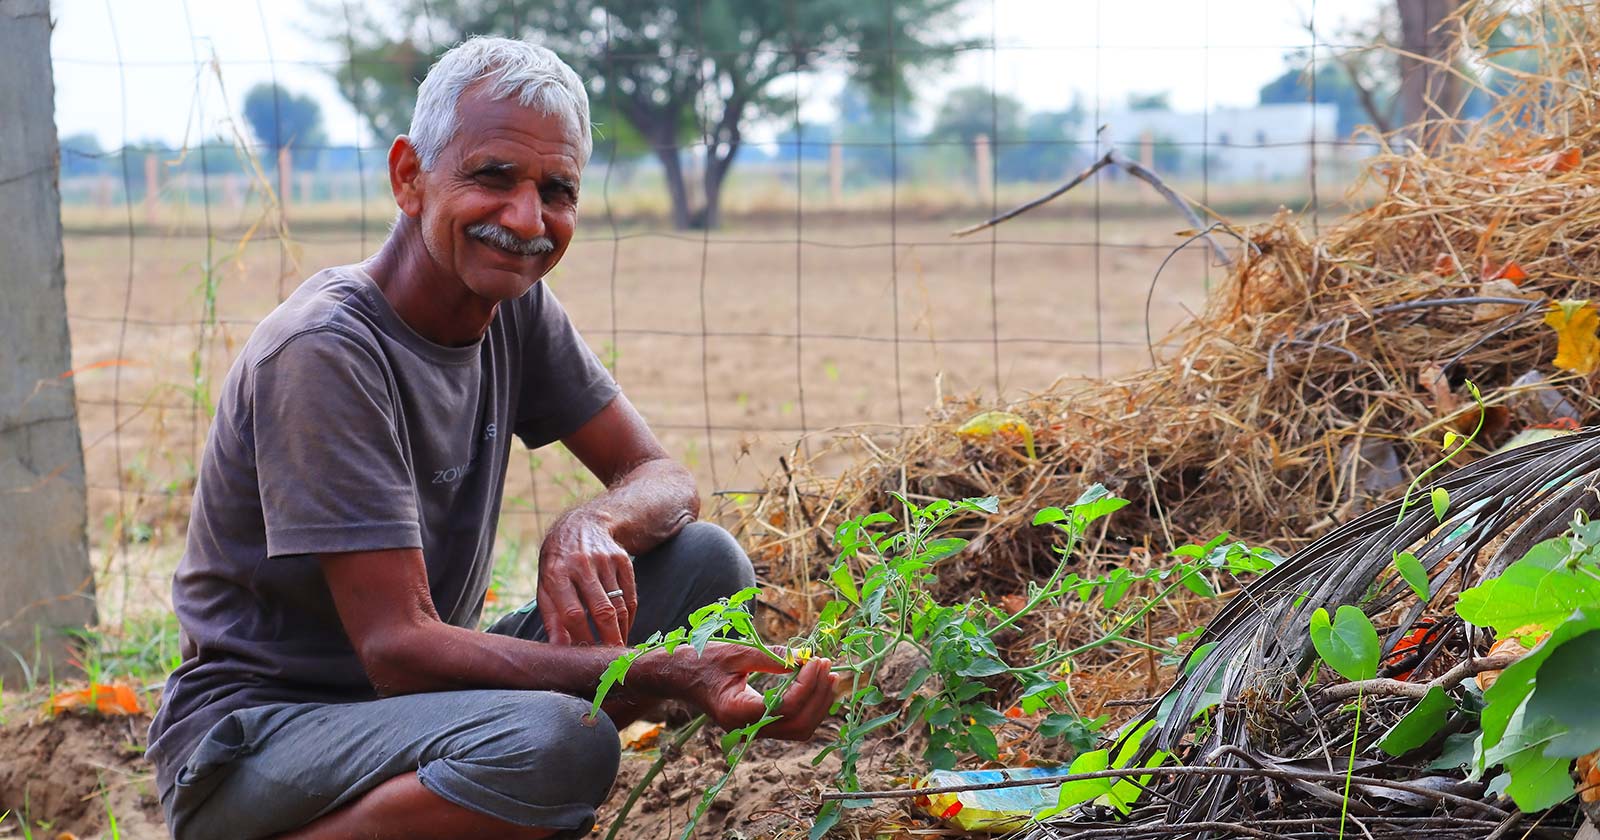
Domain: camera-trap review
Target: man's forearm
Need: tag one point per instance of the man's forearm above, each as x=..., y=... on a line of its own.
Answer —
x=646, y=507
x=435, y=656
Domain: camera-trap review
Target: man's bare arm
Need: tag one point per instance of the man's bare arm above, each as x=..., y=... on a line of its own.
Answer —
x=649, y=497
x=383, y=602
x=584, y=568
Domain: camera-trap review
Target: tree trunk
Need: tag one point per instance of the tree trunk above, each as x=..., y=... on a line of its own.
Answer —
x=716, y=175
x=672, y=167
x=1431, y=94
x=48, y=586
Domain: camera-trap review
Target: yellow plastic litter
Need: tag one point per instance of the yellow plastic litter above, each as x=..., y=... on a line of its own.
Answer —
x=1577, y=346
x=988, y=811
x=991, y=423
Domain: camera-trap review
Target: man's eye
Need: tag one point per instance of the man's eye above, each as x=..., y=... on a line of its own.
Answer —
x=493, y=177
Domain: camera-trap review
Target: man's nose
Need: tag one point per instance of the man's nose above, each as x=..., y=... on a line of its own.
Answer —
x=523, y=214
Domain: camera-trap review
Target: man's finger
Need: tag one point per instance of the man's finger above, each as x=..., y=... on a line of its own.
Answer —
x=607, y=575
x=550, y=613
x=630, y=591
x=602, y=610
x=574, y=619
x=807, y=702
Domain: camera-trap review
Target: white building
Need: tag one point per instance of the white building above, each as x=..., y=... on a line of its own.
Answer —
x=1260, y=143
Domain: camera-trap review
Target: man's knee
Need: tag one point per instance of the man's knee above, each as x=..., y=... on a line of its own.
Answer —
x=714, y=557
x=538, y=750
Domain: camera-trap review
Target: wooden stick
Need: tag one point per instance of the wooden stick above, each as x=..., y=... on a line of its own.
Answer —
x=1132, y=167
x=1400, y=688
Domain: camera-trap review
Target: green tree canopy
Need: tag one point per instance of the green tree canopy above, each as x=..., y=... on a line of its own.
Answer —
x=672, y=70
x=279, y=118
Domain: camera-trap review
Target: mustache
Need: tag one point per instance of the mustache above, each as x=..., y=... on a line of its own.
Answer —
x=504, y=239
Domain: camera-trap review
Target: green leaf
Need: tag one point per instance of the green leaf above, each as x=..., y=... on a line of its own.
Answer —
x=1349, y=644
x=1506, y=697
x=1537, y=590
x=1457, y=752
x=987, y=504
x=1565, y=689
x=1411, y=569
x=1079, y=791
x=1441, y=502
x=614, y=674
x=1420, y=724
x=1117, y=585
x=845, y=582
x=939, y=549
x=1089, y=512
x=1049, y=515
x=1196, y=582
x=827, y=818
x=1538, y=782
x=983, y=741
x=982, y=667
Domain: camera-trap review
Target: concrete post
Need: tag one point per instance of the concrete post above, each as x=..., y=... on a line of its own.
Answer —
x=44, y=553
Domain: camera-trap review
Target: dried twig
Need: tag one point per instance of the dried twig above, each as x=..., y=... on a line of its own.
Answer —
x=1400, y=688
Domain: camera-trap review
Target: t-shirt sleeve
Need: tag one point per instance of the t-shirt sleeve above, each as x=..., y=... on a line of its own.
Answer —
x=563, y=382
x=332, y=471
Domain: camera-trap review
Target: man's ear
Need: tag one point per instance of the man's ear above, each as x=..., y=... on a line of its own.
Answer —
x=405, y=176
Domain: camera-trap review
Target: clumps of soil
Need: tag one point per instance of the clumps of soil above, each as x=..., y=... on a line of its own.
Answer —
x=69, y=775
x=773, y=795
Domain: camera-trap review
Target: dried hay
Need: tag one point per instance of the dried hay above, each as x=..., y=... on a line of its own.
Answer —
x=1318, y=359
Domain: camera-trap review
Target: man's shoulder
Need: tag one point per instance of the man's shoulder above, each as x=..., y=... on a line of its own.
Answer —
x=332, y=307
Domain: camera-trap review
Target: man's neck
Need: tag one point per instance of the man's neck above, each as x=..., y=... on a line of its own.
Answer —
x=437, y=305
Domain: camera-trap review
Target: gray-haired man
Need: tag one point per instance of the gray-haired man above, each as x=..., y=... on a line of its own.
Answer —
x=339, y=547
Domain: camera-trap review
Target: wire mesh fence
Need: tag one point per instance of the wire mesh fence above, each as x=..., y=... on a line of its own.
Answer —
x=830, y=297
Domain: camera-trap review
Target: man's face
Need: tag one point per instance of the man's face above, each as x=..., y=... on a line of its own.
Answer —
x=500, y=204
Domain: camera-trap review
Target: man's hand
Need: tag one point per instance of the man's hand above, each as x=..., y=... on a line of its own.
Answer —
x=584, y=574
x=718, y=683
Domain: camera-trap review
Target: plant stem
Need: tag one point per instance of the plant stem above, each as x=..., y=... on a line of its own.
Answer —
x=1350, y=769
x=678, y=741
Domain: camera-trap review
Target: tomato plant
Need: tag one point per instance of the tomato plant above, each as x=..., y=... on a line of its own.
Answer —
x=882, y=605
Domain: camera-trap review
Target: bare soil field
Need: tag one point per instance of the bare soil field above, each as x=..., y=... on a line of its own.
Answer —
x=734, y=344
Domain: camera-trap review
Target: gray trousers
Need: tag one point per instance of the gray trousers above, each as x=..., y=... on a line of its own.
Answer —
x=525, y=757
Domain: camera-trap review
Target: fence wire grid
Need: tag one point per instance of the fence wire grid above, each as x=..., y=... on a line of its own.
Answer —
x=829, y=298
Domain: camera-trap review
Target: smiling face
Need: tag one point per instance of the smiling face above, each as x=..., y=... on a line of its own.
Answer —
x=499, y=206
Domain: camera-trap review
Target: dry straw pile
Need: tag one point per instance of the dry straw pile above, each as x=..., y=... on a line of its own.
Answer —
x=1319, y=379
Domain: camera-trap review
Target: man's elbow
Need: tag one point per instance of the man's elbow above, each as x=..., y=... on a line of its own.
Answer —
x=395, y=662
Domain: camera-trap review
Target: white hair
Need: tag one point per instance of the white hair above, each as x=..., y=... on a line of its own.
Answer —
x=537, y=77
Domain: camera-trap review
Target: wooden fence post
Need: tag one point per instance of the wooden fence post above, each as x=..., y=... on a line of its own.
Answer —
x=985, y=167
x=48, y=585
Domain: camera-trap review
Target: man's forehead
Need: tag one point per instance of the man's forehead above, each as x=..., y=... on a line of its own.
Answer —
x=484, y=121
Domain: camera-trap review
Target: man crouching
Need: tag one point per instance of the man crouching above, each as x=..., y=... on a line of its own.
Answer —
x=339, y=549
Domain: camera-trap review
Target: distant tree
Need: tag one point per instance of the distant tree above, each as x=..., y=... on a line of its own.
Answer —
x=1333, y=87
x=872, y=128
x=282, y=119
x=674, y=70
x=81, y=154
x=1048, y=153
x=975, y=109
x=1158, y=101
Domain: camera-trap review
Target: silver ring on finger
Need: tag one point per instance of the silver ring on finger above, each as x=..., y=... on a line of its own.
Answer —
x=615, y=593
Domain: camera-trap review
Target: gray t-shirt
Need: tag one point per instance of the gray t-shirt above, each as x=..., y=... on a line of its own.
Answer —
x=341, y=429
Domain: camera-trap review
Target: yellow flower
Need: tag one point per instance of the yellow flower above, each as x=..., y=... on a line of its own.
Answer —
x=798, y=656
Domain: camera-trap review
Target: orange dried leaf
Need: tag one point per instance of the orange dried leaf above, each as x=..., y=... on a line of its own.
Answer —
x=491, y=597
x=1013, y=603
x=1445, y=265
x=1014, y=712
x=641, y=735
x=1575, y=323
x=118, y=699
x=1563, y=160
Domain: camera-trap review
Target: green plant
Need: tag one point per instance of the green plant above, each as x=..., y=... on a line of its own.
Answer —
x=883, y=607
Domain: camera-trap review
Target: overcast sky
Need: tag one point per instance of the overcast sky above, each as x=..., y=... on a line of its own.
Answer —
x=136, y=68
